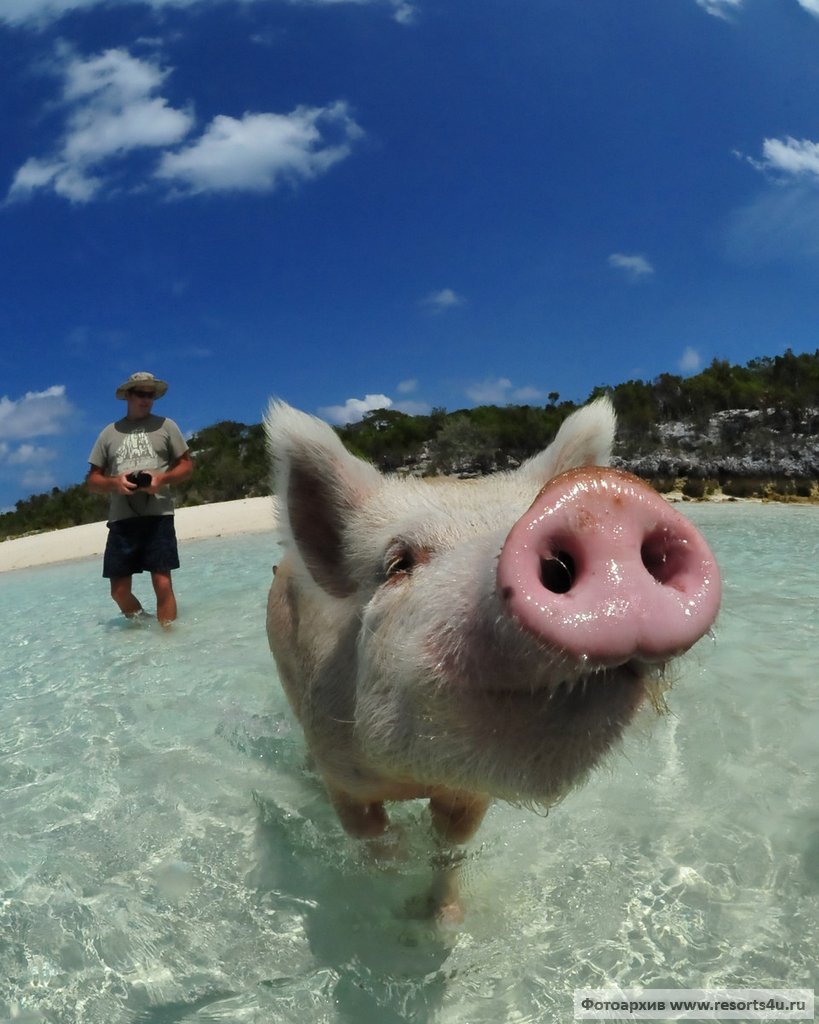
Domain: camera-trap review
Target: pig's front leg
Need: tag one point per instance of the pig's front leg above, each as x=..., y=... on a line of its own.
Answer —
x=358, y=819
x=456, y=816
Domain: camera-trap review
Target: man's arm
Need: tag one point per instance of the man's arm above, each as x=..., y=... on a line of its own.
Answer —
x=98, y=483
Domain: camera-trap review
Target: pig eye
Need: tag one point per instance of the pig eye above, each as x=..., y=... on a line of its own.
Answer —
x=400, y=561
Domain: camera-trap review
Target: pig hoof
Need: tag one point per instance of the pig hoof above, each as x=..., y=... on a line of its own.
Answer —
x=427, y=907
x=441, y=903
x=450, y=915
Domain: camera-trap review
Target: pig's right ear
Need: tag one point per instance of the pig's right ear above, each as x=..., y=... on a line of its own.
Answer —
x=319, y=485
x=585, y=439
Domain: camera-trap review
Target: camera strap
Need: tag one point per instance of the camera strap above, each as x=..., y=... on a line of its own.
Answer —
x=131, y=498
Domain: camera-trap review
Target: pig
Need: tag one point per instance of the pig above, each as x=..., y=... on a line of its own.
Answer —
x=463, y=641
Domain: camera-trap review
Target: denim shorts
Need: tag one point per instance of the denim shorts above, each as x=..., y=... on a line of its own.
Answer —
x=147, y=543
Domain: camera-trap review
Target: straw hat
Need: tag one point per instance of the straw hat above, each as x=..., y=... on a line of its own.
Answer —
x=142, y=382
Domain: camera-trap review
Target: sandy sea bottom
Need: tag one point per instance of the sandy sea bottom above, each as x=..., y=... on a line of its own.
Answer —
x=167, y=857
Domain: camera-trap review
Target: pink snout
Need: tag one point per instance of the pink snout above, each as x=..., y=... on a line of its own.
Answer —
x=604, y=570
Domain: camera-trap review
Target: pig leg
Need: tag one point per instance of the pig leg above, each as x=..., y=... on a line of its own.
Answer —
x=456, y=816
x=359, y=820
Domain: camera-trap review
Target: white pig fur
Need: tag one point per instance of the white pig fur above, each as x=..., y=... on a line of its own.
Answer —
x=385, y=623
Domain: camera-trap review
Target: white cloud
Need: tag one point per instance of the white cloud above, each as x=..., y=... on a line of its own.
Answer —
x=490, y=392
x=635, y=267
x=30, y=455
x=97, y=133
x=69, y=182
x=114, y=76
x=721, y=8
x=34, y=12
x=690, y=360
x=527, y=394
x=112, y=110
x=404, y=13
x=441, y=300
x=412, y=408
x=37, y=480
x=354, y=409
x=501, y=391
x=725, y=8
x=258, y=151
x=789, y=156
x=38, y=13
x=36, y=414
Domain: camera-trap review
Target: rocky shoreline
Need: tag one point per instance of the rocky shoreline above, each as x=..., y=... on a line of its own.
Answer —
x=769, y=455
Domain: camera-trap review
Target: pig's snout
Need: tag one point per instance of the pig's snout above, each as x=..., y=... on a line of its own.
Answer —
x=603, y=570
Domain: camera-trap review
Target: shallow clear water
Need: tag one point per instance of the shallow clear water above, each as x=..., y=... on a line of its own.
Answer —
x=166, y=857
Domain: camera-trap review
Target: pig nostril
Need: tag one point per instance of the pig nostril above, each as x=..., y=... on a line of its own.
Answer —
x=558, y=572
x=663, y=555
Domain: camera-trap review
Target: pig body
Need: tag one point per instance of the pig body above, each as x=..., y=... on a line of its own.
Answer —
x=461, y=641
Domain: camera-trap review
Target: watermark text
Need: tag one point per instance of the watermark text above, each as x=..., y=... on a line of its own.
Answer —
x=693, y=1004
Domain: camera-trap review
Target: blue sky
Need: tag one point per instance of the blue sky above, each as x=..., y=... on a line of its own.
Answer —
x=416, y=203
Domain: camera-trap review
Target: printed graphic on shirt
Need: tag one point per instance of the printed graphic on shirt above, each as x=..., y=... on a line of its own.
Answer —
x=135, y=452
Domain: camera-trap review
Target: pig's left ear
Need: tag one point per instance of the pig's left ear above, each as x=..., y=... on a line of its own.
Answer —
x=585, y=439
x=319, y=485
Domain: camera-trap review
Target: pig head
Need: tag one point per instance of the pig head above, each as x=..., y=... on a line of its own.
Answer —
x=466, y=640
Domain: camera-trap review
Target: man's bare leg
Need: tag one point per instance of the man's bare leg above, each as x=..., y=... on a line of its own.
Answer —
x=165, y=597
x=121, y=593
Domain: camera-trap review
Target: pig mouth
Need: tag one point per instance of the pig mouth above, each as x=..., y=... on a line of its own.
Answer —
x=584, y=693
x=536, y=679
x=533, y=744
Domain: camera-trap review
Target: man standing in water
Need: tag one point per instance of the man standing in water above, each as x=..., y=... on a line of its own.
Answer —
x=134, y=461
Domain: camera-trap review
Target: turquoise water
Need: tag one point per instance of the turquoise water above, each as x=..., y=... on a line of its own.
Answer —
x=166, y=857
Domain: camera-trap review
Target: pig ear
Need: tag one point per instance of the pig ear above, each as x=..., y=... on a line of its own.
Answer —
x=585, y=439
x=319, y=485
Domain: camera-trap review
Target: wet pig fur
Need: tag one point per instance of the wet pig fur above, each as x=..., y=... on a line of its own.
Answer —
x=406, y=672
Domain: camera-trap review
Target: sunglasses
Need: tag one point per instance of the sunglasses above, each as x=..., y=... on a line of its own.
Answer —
x=143, y=394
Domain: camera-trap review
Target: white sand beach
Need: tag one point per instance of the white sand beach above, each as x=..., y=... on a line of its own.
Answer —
x=221, y=519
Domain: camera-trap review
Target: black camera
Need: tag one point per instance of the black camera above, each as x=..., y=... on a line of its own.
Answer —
x=141, y=479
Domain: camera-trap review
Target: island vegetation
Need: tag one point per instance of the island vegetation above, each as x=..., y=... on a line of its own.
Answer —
x=744, y=431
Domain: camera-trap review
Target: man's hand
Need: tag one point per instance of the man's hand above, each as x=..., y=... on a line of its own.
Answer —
x=99, y=483
x=156, y=482
x=122, y=485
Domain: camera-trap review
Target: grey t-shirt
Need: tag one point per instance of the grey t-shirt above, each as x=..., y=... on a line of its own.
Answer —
x=126, y=446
